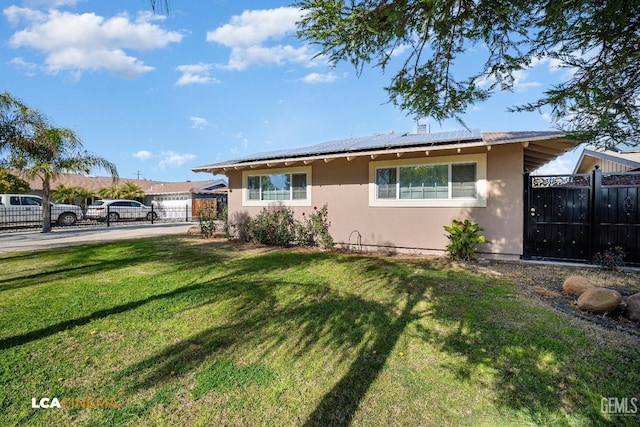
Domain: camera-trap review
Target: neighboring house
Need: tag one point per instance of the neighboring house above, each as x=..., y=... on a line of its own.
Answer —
x=176, y=199
x=608, y=161
x=184, y=199
x=397, y=191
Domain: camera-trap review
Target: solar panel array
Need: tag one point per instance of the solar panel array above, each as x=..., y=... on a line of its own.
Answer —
x=373, y=142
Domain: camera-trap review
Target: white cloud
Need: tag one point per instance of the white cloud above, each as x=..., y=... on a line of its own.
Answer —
x=520, y=83
x=254, y=37
x=199, y=122
x=254, y=27
x=142, y=155
x=319, y=78
x=80, y=42
x=174, y=160
x=195, y=74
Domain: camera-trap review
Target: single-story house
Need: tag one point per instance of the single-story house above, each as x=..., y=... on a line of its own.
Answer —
x=396, y=191
x=184, y=199
x=173, y=199
x=608, y=161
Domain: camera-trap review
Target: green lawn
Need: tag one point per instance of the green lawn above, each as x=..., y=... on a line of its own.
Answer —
x=178, y=331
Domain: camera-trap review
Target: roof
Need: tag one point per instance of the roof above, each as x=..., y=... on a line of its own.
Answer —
x=540, y=147
x=629, y=158
x=95, y=183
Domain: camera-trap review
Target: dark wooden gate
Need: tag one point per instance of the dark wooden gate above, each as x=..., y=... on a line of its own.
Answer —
x=572, y=217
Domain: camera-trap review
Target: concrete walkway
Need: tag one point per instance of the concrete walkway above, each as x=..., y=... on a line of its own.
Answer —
x=66, y=236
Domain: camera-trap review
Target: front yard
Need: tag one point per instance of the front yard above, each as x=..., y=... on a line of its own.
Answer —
x=178, y=331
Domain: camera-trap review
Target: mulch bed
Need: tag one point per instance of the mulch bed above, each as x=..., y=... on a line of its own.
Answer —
x=543, y=281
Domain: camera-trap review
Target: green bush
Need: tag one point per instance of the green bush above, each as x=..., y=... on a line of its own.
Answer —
x=207, y=217
x=276, y=226
x=313, y=230
x=610, y=259
x=463, y=237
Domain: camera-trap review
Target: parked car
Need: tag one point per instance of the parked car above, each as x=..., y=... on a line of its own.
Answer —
x=118, y=209
x=27, y=208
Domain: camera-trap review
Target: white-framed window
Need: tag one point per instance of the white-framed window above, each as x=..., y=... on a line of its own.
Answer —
x=449, y=181
x=289, y=186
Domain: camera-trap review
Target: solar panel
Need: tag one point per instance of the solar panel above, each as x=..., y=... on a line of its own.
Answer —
x=373, y=142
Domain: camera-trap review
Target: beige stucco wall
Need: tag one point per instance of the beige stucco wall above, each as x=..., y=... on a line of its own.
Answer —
x=344, y=186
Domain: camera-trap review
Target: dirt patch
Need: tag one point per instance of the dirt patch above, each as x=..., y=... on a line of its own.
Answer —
x=543, y=281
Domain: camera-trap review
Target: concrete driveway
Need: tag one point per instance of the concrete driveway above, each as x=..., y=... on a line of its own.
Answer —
x=33, y=240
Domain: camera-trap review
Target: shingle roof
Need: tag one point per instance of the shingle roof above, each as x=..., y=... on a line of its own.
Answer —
x=95, y=183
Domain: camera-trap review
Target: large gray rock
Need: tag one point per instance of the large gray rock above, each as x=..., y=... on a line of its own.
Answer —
x=633, y=307
x=576, y=285
x=599, y=300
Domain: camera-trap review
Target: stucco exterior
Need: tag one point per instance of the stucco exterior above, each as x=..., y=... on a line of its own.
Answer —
x=344, y=184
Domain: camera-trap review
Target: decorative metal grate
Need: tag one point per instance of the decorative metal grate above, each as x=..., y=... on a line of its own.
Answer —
x=561, y=181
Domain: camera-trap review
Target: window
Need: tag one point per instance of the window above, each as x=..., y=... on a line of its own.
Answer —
x=289, y=186
x=441, y=181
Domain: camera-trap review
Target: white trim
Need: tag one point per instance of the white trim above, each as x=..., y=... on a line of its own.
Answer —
x=481, y=182
x=273, y=171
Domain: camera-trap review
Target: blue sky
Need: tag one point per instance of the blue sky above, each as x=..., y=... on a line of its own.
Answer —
x=212, y=81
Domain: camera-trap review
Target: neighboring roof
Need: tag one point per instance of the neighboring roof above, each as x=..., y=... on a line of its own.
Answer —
x=540, y=147
x=628, y=158
x=95, y=183
x=199, y=187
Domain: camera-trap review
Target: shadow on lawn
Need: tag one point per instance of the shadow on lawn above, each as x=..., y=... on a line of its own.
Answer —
x=322, y=316
x=70, y=263
x=478, y=321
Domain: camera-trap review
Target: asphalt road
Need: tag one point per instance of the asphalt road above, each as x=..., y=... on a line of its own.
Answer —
x=66, y=236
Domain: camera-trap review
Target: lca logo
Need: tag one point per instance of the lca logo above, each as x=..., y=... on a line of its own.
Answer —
x=45, y=403
x=73, y=402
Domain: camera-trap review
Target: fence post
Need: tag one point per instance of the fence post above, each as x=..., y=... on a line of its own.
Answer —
x=186, y=213
x=108, y=215
x=596, y=203
x=526, y=243
x=153, y=214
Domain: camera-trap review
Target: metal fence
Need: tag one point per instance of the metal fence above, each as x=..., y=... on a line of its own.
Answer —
x=33, y=219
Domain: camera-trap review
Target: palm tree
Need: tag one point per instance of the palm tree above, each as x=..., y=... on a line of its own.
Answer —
x=17, y=123
x=43, y=151
x=84, y=194
x=65, y=194
x=132, y=191
x=112, y=192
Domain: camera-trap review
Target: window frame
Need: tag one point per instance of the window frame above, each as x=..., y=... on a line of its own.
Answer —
x=277, y=171
x=480, y=160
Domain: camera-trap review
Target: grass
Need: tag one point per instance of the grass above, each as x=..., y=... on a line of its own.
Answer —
x=189, y=332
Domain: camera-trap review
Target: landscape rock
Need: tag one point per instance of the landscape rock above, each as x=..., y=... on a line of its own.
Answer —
x=599, y=300
x=576, y=285
x=633, y=307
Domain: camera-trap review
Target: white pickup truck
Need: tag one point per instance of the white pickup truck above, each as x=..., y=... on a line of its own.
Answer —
x=27, y=208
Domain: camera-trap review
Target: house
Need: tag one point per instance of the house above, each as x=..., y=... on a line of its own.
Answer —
x=608, y=161
x=397, y=191
x=173, y=199
x=185, y=199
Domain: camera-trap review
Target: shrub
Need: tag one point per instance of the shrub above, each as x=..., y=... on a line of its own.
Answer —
x=207, y=217
x=463, y=237
x=313, y=230
x=277, y=226
x=611, y=259
x=273, y=226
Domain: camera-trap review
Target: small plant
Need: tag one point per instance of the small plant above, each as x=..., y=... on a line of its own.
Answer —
x=313, y=230
x=207, y=216
x=463, y=237
x=611, y=259
x=277, y=226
